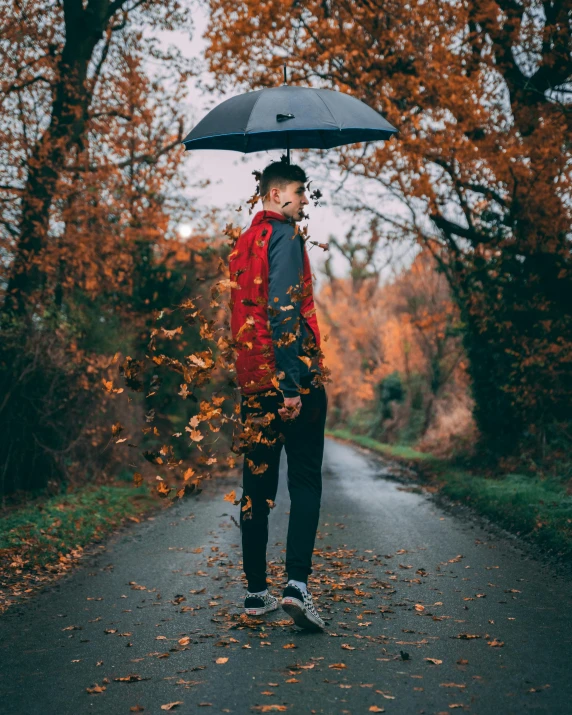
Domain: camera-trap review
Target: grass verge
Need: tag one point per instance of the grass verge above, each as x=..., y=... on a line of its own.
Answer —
x=41, y=541
x=530, y=506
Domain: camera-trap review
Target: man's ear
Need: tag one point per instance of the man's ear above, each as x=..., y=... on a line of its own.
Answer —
x=274, y=194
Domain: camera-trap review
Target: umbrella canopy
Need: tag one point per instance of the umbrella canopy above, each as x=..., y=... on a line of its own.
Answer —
x=288, y=117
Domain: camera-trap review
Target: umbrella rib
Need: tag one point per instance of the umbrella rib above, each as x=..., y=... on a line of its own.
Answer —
x=329, y=110
x=252, y=112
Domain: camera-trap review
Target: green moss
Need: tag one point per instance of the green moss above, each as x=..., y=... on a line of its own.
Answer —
x=391, y=450
x=61, y=523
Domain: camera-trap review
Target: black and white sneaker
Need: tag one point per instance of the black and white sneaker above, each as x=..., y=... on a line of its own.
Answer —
x=300, y=607
x=259, y=605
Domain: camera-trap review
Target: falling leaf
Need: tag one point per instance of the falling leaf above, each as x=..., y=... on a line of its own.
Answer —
x=231, y=497
x=221, y=660
x=347, y=646
x=184, y=641
x=188, y=474
x=260, y=469
x=116, y=428
x=137, y=479
x=136, y=709
x=434, y=660
x=289, y=645
x=495, y=643
x=170, y=706
x=375, y=709
x=171, y=333
x=163, y=489
x=96, y=689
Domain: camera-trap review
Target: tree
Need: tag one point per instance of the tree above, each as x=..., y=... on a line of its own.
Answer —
x=480, y=91
x=90, y=127
x=86, y=138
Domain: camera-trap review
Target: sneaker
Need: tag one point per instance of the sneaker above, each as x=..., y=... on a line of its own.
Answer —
x=259, y=605
x=300, y=607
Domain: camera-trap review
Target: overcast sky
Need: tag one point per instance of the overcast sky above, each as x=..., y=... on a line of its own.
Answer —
x=230, y=173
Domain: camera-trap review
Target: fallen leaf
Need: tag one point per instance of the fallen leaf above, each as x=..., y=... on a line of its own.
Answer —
x=221, y=660
x=170, y=706
x=434, y=661
x=131, y=678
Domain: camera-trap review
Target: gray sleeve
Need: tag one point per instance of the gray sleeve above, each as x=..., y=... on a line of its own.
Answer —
x=285, y=271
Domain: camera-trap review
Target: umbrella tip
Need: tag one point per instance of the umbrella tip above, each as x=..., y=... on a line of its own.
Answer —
x=285, y=75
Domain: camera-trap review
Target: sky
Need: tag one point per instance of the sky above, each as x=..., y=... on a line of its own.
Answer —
x=230, y=173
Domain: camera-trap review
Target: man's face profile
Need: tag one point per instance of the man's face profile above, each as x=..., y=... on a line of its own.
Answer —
x=289, y=200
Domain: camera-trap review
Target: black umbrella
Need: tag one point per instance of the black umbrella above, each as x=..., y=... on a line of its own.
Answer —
x=288, y=117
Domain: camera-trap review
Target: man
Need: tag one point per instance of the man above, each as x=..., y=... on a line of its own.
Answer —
x=280, y=372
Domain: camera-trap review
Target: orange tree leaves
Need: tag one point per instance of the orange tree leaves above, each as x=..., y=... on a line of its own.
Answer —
x=479, y=92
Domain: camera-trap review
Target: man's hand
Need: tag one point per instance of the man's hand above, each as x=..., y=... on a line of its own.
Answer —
x=291, y=409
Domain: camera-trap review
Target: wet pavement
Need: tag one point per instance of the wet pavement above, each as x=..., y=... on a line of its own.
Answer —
x=428, y=610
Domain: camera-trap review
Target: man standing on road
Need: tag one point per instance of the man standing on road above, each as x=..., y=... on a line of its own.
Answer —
x=281, y=373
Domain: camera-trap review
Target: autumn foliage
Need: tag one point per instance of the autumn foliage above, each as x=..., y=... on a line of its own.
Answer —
x=399, y=371
x=480, y=94
x=92, y=186
x=90, y=128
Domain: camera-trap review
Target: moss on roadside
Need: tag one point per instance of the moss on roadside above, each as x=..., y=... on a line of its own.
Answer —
x=527, y=505
x=43, y=531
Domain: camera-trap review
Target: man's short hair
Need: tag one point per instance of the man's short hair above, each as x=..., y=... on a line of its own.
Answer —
x=280, y=174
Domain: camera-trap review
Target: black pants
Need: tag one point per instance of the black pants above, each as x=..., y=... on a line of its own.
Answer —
x=303, y=439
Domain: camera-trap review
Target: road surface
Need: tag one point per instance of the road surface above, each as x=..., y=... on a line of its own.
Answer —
x=428, y=610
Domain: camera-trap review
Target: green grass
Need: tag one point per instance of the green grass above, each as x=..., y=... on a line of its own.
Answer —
x=46, y=529
x=527, y=505
x=391, y=450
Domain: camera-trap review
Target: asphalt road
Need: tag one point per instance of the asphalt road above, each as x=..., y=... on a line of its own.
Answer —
x=399, y=578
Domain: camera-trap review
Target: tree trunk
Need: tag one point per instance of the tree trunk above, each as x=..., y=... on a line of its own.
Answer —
x=67, y=127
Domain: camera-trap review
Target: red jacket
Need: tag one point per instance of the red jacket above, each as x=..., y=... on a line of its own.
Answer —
x=250, y=326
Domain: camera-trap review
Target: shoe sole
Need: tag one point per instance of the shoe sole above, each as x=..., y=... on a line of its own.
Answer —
x=298, y=613
x=260, y=611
